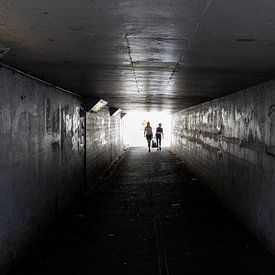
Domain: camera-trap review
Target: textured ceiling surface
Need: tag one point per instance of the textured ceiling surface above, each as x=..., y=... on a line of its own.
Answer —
x=142, y=54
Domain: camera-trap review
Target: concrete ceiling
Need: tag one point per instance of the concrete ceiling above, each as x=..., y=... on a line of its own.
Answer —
x=142, y=54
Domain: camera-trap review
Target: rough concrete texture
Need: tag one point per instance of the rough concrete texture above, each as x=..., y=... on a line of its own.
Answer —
x=229, y=143
x=143, y=54
x=104, y=142
x=150, y=216
x=41, y=159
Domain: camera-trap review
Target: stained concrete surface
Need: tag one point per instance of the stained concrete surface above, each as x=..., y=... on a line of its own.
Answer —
x=104, y=142
x=229, y=143
x=147, y=50
x=150, y=216
x=41, y=159
x=43, y=134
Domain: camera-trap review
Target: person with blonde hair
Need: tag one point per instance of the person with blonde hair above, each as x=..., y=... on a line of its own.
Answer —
x=148, y=134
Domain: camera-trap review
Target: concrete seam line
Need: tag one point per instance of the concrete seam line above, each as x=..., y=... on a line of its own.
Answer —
x=131, y=61
x=39, y=80
x=208, y=4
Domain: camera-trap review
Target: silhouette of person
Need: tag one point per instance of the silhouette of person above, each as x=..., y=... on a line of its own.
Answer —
x=159, y=135
x=148, y=133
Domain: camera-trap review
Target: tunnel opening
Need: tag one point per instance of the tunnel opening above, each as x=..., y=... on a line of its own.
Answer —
x=71, y=85
x=135, y=123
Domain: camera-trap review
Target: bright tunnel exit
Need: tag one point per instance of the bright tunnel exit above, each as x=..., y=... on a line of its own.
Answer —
x=136, y=122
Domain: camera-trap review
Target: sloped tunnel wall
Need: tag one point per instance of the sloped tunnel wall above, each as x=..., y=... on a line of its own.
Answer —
x=230, y=144
x=42, y=159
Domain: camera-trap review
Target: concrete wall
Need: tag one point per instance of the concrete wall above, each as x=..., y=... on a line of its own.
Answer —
x=41, y=159
x=104, y=142
x=230, y=144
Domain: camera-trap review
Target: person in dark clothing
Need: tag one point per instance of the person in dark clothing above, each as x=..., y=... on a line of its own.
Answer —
x=159, y=135
x=148, y=133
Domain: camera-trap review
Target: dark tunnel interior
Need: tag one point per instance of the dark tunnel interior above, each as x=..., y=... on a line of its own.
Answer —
x=80, y=190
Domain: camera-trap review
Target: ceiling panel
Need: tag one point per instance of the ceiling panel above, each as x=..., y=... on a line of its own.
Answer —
x=142, y=54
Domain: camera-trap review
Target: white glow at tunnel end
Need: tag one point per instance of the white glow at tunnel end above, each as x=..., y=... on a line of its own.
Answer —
x=136, y=122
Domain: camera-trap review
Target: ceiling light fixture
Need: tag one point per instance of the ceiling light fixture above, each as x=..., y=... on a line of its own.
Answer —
x=114, y=111
x=94, y=104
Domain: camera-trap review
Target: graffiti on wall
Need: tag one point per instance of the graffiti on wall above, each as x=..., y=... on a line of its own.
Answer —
x=271, y=131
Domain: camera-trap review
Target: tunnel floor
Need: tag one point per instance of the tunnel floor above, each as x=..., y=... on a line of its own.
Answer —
x=150, y=216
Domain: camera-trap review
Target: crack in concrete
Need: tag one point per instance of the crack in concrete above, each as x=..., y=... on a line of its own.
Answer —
x=209, y=3
x=131, y=61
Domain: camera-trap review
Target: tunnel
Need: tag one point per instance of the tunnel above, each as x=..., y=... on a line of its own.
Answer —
x=81, y=192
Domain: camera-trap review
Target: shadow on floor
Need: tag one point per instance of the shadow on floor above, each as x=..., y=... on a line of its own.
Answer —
x=150, y=216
